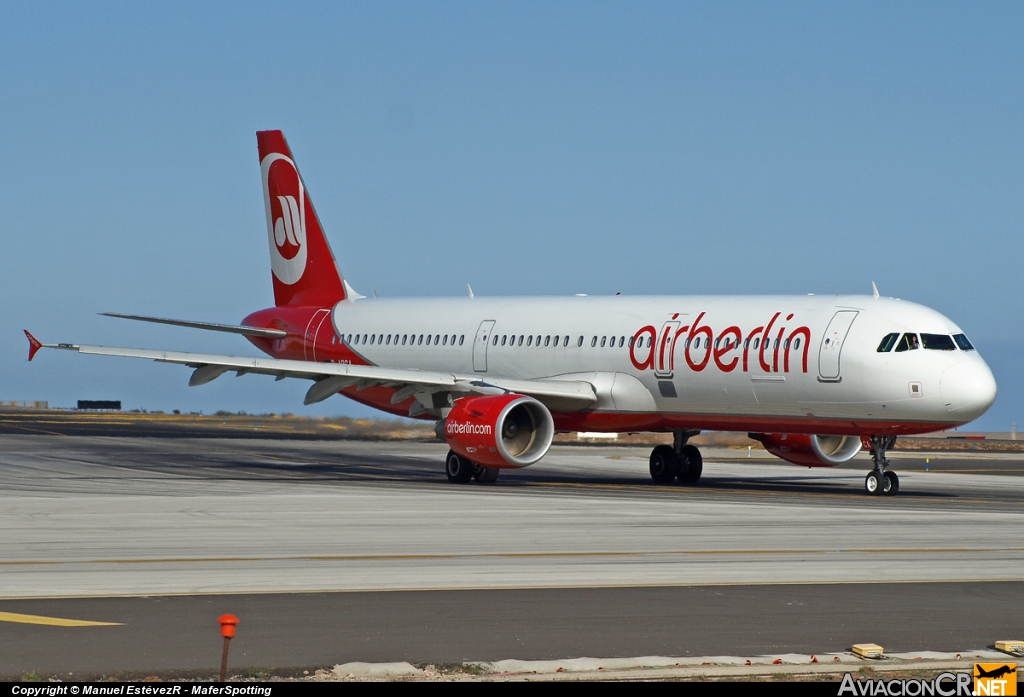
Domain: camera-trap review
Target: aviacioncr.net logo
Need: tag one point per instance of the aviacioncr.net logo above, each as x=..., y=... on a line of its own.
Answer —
x=284, y=198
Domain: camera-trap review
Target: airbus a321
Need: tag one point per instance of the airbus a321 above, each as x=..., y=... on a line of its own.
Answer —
x=813, y=378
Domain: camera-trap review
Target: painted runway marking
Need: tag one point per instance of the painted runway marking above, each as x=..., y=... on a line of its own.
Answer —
x=52, y=621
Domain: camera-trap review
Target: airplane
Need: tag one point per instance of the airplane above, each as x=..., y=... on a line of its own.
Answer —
x=814, y=378
x=995, y=672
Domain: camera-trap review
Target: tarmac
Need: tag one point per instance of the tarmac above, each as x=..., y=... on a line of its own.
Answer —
x=332, y=552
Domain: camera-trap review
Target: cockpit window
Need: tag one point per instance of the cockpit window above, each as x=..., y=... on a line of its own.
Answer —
x=907, y=343
x=888, y=342
x=938, y=342
x=962, y=342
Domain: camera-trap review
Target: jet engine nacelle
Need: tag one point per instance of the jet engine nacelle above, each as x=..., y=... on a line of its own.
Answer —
x=810, y=451
x=508, y=430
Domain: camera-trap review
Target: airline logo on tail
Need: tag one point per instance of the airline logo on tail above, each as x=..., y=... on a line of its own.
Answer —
x=285, y=201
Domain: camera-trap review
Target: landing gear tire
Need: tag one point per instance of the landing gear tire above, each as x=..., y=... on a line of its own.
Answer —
x=874, y=483
x=485, y=475
x=881, y=482
x=458, y=468
x=692, y=465
x=892, y=484
x=664, y=464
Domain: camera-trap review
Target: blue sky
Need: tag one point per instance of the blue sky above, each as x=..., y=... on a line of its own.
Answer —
x=526, y=148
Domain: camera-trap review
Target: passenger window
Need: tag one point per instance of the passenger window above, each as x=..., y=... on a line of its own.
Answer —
x=888, y=341
x=604, y=341
x=962, y=342
x=757, y=342
x=461, y=338
x=529, y=340
x=938, y=342
x=796, y=344
x=419, y=340
x=593, y=342
x=632, y=339
x=907, y=343
x=494, y=341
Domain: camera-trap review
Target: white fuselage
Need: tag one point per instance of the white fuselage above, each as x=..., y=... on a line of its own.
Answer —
x=735, y=362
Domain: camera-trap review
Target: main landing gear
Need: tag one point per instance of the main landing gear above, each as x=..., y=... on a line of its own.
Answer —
x=677, y=461
x=460, y=470
x=881, y=481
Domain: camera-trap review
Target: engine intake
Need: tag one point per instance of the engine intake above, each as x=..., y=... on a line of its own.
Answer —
x=509, y=430
x=810, y=451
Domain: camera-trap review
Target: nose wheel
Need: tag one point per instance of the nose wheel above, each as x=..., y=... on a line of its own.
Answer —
x=880, y=481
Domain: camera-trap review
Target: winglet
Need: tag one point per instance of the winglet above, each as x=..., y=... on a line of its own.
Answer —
x=471, y=296
x=874, y=289
x=33, y=345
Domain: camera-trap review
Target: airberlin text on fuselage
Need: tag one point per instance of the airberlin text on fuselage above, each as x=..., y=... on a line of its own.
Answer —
x=765, y=348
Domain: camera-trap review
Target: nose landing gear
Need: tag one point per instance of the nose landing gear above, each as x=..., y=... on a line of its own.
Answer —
x=677, y=461
x=880, y=481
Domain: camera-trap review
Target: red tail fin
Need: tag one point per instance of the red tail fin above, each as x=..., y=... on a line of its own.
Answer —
x=301, y=261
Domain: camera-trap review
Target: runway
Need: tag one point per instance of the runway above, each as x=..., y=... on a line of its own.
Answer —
x=585, y=536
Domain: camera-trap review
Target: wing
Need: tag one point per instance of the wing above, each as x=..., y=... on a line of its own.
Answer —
x=431, y=389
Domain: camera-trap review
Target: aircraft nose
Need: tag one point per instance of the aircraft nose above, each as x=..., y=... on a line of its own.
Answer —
x=968, y=389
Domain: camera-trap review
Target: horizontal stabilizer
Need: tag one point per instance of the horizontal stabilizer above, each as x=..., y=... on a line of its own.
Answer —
x=209, y=326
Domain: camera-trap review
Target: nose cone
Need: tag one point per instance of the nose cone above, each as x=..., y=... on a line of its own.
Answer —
x=968, y=389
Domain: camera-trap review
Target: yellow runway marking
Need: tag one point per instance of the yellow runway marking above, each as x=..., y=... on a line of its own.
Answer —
x=52, y=621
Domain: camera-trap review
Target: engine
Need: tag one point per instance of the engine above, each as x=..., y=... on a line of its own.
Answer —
x=508, y=430
x=810, y=451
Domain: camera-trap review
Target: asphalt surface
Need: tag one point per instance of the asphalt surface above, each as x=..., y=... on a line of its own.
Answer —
x=317, y=630
x=340, y=551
